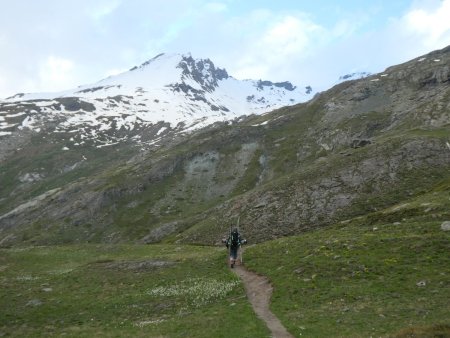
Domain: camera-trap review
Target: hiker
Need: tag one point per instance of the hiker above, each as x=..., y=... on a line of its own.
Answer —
x=233, y=242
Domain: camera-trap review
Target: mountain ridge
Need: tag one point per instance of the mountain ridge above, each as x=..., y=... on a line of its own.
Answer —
x=359, y=147
x=169, y=93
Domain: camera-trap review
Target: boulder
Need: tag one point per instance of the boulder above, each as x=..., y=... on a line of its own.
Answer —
x=445, y=226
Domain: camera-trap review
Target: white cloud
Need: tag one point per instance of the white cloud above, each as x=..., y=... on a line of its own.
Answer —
x=271, y=50
x=423, y=28
x=290, y=35
x=297, y=48
x=3, y=87
x=344, y=28
x=56, y=73
x=90, y=38
x=99, y=10
x=432, y=26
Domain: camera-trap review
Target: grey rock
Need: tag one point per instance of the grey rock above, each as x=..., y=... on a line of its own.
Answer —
x=421, y=283
x=160, y=232
x=34, y=302
x=358, y=143
x=445, y=226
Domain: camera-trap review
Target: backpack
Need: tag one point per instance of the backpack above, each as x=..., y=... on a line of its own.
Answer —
x=234, y=239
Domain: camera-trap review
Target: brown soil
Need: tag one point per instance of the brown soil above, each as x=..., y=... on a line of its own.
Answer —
x=259, y=291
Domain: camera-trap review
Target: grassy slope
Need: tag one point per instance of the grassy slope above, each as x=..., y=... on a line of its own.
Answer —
x=46, y=157
x=364, y=278
x=113, y=291
x=359, y=278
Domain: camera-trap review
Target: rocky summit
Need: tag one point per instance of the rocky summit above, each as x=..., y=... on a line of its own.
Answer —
x=177, y=150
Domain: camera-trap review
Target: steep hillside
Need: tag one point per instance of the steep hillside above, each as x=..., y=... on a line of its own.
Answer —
x=386, y=274
x=359, y=147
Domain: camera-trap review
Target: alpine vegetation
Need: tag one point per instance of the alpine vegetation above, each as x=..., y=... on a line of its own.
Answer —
x=198, y=291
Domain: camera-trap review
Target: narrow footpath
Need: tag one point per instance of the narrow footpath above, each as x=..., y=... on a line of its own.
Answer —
x=259, y=291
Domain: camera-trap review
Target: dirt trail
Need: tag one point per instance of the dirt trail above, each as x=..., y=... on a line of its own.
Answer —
x=259, y=291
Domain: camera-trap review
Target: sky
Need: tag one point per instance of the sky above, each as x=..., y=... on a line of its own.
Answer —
x=54, y=45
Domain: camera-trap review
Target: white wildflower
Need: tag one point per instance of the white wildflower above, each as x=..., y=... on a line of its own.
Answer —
x=198, y=291
x=148, y=322
x=26, y=278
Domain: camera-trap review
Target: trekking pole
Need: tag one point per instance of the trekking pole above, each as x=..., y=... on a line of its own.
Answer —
x=229, y=245
x=240, y=247
x=240, y=253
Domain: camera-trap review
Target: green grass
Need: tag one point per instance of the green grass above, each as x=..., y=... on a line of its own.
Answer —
x=366, y=277
x=122, y=291
x=383, y=274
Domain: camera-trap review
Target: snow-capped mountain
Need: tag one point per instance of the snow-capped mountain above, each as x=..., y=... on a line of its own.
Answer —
x=167, y=93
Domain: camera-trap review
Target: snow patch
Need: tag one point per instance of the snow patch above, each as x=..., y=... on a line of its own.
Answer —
x=29, y=122
x=15, y=115
x=160, y=131
x=5, y=125
x=106, y=145
x=45, y=103
x=260, y=124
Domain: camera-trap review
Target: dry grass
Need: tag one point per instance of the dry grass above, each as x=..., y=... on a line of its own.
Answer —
x=434, y=331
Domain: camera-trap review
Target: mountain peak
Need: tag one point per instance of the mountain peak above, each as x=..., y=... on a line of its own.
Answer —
x=202, y=71
x=175, y=90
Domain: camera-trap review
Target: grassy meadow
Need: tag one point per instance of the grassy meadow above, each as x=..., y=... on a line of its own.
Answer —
x=122, y=291
x=385, y=274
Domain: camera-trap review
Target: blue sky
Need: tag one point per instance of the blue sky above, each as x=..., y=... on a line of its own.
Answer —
x=51, y=45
